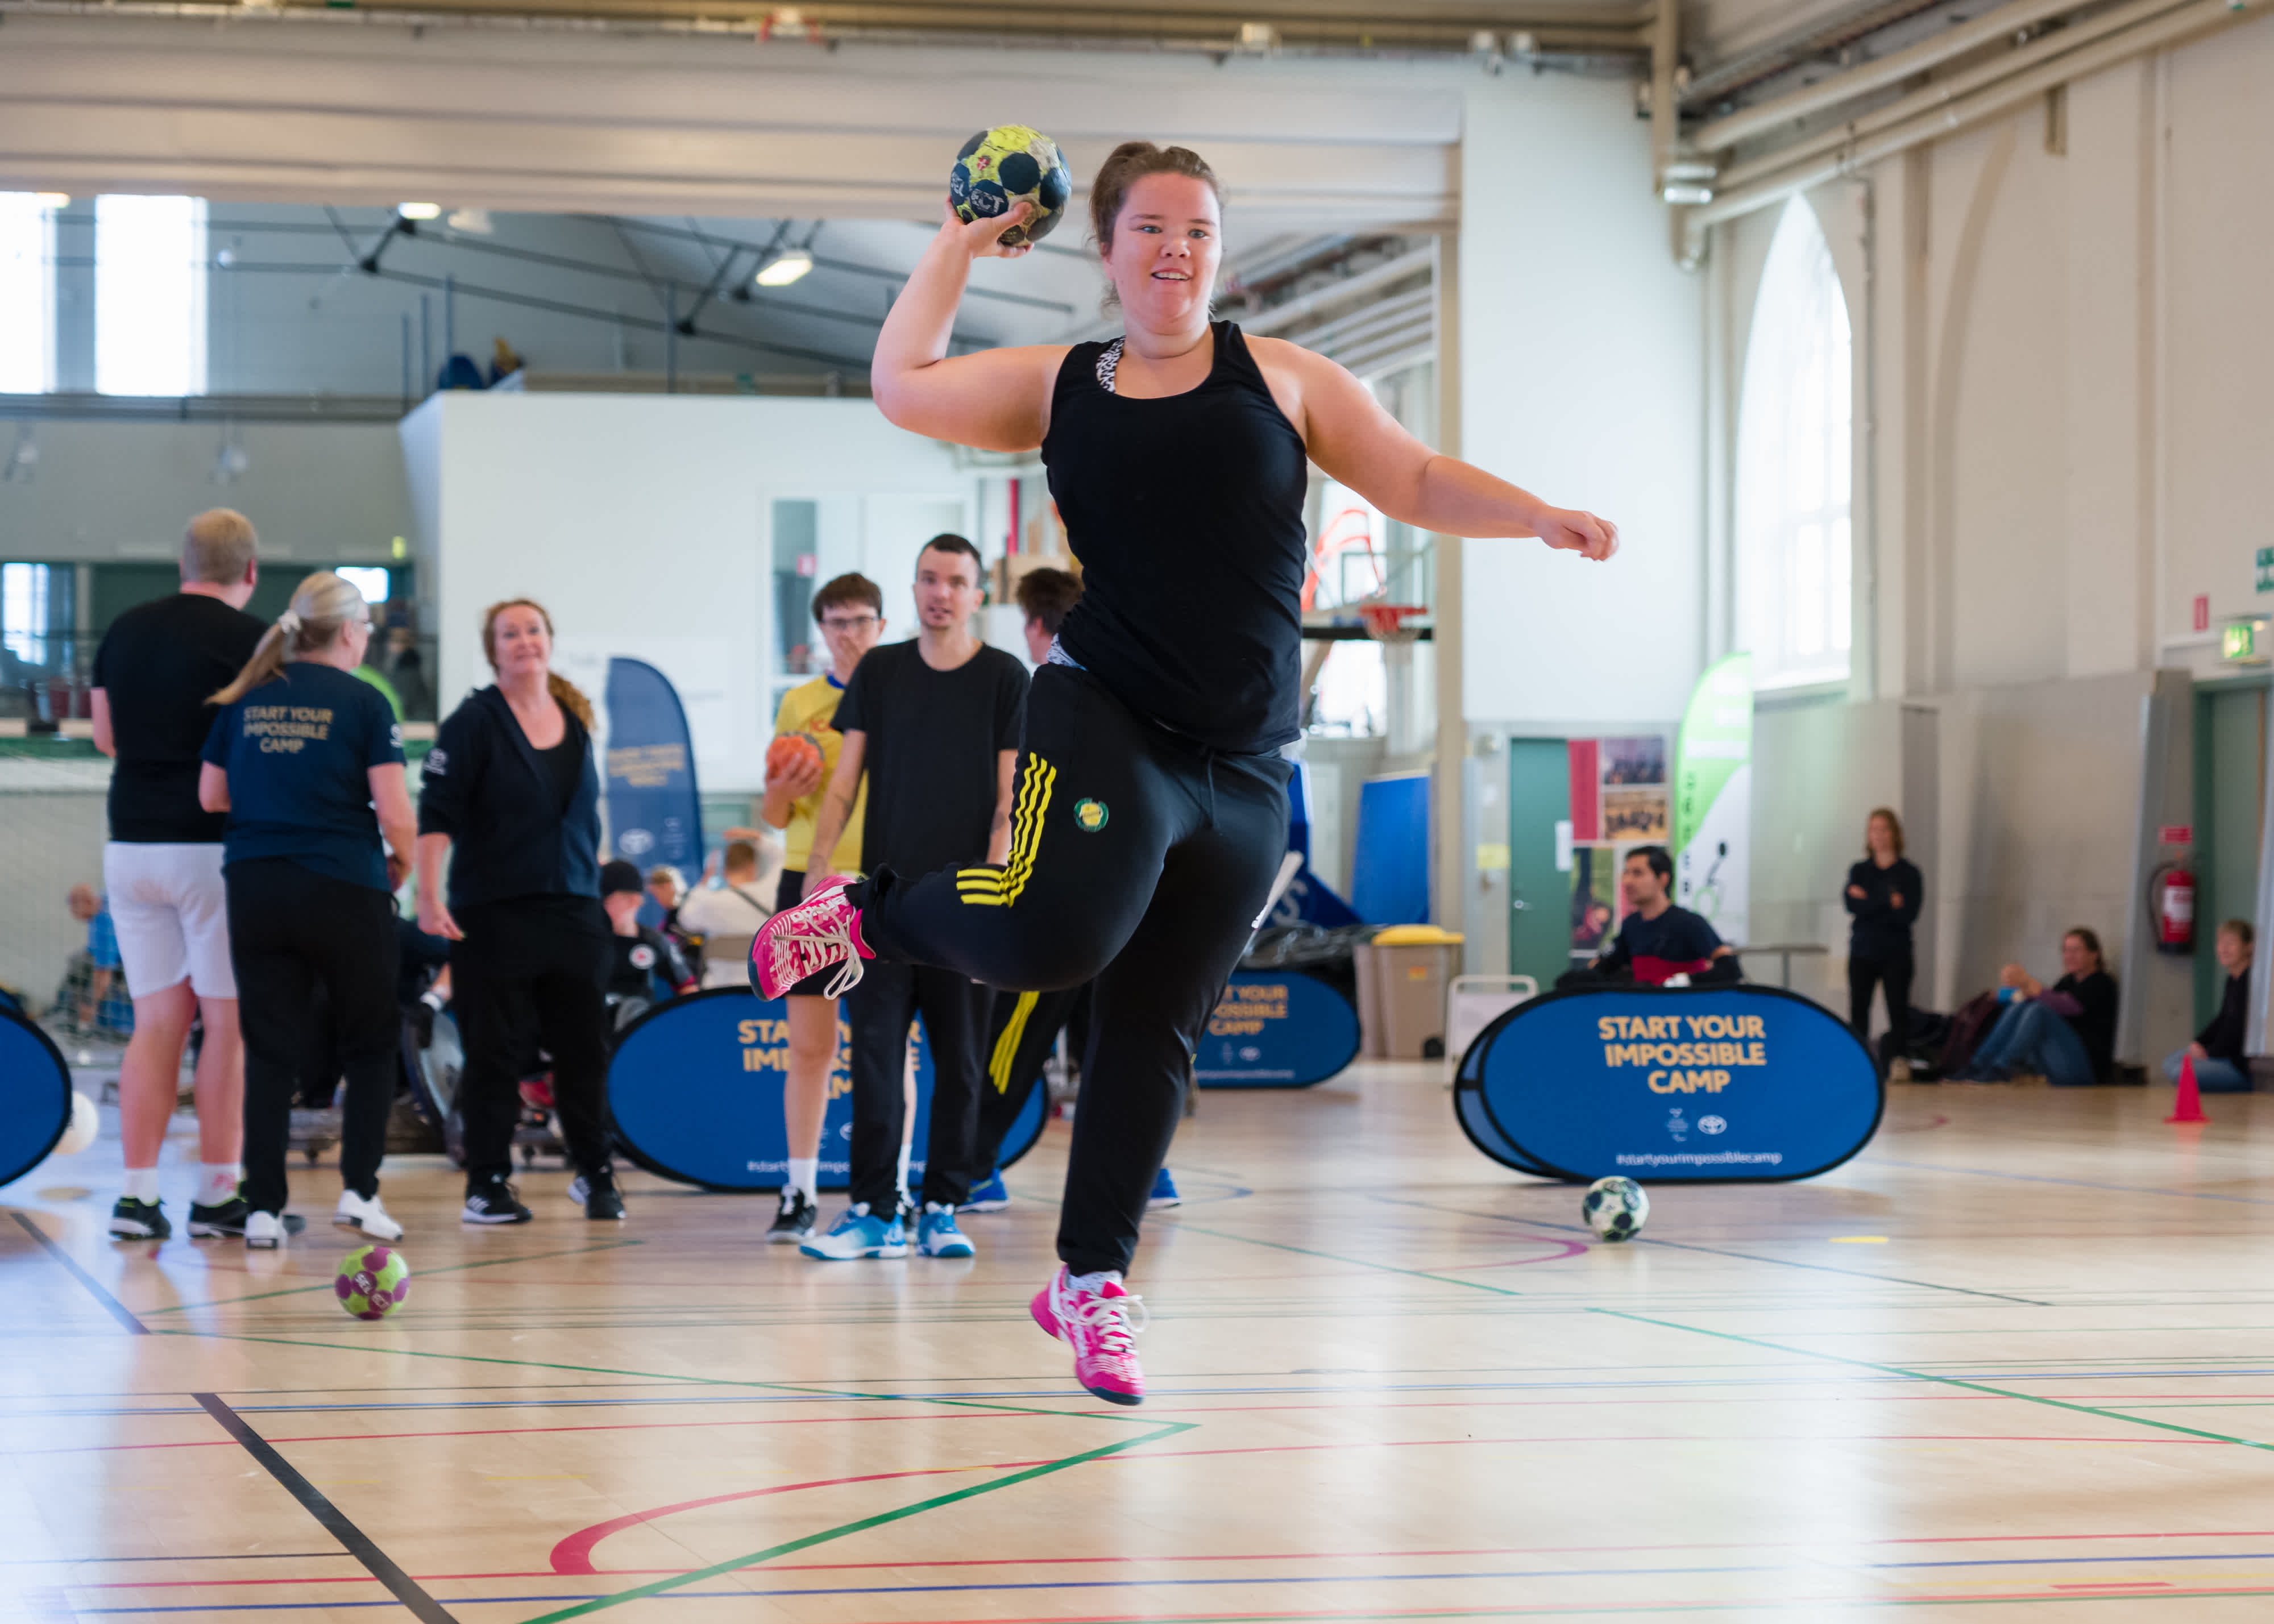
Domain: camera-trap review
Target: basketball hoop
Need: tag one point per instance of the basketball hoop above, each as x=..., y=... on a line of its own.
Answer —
x=1386, y=622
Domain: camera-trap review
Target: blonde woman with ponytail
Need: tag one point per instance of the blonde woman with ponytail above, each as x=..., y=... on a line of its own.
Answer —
x=513, y=787
x=306, y=761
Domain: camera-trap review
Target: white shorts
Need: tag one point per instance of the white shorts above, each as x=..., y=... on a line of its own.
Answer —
x=172, y=915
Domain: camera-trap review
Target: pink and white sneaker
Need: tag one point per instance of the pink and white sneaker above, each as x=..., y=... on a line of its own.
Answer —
x=823, y=932
x=1096, y=1325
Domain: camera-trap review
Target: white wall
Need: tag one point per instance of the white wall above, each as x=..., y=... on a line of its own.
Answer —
x=1581, y=379
x=642, y=523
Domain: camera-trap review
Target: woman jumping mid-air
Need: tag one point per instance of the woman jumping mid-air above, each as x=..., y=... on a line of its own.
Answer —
x=1151, y=806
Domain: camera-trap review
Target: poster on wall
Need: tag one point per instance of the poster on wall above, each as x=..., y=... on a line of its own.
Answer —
x=1713, y=795
x=1595, y=897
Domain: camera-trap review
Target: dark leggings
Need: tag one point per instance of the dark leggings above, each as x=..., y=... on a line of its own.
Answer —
x=1140, y=858
x=878, y=1012
x=1863, y=975
x=292, y=931
x=532, y=972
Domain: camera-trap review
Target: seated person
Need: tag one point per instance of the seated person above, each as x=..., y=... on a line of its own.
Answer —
x=726, y=919
x=643, y=954
x=1658, y=941
x=2067, y=1031
x=2217, y=1049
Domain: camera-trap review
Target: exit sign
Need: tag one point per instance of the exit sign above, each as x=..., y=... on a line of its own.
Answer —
x=2265, y=562
x=2243, y=642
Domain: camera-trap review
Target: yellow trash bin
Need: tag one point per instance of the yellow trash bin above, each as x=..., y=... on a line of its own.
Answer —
x=1403, y=975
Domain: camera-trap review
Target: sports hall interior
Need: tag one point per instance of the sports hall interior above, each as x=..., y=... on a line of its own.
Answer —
x=1910, y=344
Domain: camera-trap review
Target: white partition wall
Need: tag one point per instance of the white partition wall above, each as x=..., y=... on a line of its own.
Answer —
x=644, y=525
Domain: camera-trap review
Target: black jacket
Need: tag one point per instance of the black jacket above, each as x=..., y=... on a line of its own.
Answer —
x=2230, y=1028
x=1883, y=930
x=485, y=788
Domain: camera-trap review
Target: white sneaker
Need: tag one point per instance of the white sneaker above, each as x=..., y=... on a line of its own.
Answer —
x=264, y=1232
x=370, y=1216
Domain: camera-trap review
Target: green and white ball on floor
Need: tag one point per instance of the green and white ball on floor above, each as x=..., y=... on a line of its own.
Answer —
x=1616, y=1209
x=1010, y=164
x=373, y=1281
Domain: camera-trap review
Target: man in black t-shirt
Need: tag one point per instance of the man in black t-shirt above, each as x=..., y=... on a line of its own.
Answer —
x=1658, y=941
x=934, y=725
x=162, y=867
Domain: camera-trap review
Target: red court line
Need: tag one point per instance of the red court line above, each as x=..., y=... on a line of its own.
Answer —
x=515, y=1431
x=573, y=1554
x=1222, y=1556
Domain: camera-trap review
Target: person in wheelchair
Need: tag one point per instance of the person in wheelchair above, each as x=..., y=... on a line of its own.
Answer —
x=648, y=965
x=1658, y=940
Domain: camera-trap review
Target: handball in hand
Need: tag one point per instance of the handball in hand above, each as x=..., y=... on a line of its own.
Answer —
x=1010, y=164
x=793, y=755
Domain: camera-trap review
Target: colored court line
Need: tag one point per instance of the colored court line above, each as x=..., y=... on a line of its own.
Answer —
x=117, y=1310
x=1953, y=1381
x=1718, y=1251
x=448, y=1268
x=660, y=1586
x=335, y=1522
x=2080, y=1184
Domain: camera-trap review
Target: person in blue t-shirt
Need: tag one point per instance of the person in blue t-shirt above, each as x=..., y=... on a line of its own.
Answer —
x=1658, y=941
x=307, y=762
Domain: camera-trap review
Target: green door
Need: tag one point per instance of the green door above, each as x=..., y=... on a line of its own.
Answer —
x=1539, y=894
x=2229, y=810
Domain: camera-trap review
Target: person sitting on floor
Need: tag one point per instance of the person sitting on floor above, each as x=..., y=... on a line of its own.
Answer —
x=2066, y=1032
x=2217, y=1051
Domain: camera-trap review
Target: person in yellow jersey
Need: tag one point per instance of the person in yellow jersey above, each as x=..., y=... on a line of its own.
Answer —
x=850, y=610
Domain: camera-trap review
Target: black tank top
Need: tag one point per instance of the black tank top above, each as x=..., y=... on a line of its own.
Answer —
x=1186, y=513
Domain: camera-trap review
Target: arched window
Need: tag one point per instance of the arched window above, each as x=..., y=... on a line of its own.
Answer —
x=1793, y=456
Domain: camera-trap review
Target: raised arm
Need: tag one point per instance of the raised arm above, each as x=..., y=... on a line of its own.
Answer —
x=996, y=400
x=1356, y=441
x=836, y=807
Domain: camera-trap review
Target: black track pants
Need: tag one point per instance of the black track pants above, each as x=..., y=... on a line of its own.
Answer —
x=292, y=931
x=1025, y=1031
x=878, y=1012
x=1138, y=859
x=1896, y=974
x=531, y=971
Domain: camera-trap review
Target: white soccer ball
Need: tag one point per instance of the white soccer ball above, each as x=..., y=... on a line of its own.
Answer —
x=85, y=1123
x=1616, y=1209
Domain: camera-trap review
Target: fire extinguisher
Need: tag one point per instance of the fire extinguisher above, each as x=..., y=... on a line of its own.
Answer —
x=2172, y=893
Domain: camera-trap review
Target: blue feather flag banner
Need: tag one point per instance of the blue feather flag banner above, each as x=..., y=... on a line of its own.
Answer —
x=654, y=810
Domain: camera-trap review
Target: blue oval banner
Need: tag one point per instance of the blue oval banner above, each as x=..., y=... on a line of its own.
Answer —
x=35, y=1094
x=1700, y=1084
x=1280, y=1029
x=696, y=1088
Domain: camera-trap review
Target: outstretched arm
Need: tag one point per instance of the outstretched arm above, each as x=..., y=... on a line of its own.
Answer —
x=996, y=400
x=1358, y=442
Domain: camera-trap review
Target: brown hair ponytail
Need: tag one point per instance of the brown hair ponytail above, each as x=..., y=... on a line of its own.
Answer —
x=566, y=694
x=322, y=604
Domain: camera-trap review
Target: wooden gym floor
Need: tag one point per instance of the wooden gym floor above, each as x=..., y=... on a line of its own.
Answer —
x=2017, y=1355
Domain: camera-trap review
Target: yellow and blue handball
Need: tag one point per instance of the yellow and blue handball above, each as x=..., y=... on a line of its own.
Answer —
x=1009, y=164
x=373, y=1281
x=1616, y=1209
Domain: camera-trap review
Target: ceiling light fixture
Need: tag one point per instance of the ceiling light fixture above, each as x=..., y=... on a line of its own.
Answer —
x=474, y=222
x=420, y=211
x=52, y=199
x=784, y=270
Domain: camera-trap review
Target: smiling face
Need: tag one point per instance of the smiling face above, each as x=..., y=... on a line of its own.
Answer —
x=520, y=642
x=947, y=588
x=1166, y=244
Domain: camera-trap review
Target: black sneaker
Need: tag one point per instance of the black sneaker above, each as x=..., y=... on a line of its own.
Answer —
x=795, y=1219
x=227, y=1218
x=139, y=1221
x=492, y=1201
x=598, y=1193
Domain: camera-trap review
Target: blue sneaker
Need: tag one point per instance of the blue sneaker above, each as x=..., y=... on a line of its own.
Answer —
x=988, y=1195
x=1165, y=1192
x=859, y=1233
x=937, y=1235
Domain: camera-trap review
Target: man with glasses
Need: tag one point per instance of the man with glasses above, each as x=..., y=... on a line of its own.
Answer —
x=850, y=610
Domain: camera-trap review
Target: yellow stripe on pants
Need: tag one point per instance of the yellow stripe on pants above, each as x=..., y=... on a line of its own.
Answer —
x=1006, y=1046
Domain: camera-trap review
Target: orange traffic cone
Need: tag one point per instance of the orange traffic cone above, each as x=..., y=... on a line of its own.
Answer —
x=2189, y=1108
